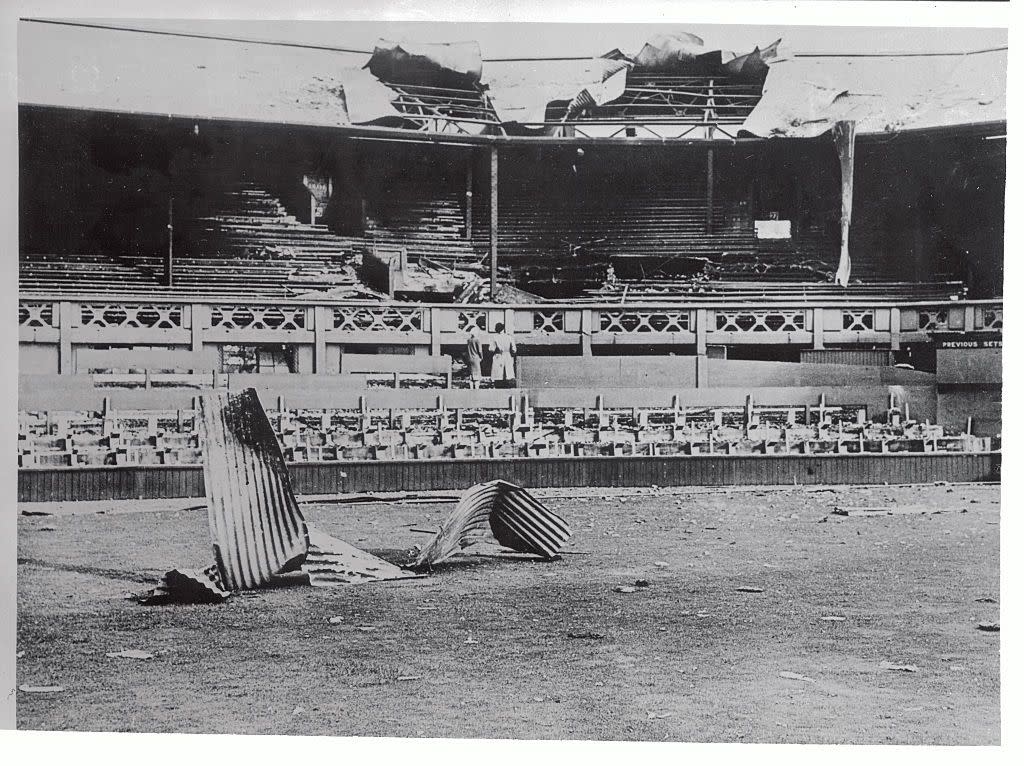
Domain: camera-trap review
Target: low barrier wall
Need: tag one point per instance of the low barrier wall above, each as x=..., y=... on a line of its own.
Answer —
x=149, y=482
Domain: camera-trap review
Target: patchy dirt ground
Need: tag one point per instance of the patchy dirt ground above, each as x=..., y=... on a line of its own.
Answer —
x=494, y=645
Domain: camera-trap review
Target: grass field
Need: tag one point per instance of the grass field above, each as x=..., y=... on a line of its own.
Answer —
x=497, y=645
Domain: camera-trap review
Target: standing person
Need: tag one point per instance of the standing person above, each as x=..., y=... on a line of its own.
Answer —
x=503, y=370
x=474, y=355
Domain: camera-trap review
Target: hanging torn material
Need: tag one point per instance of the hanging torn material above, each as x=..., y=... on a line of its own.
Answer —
x=844, y=133
x=509, y=513
x=331, y=561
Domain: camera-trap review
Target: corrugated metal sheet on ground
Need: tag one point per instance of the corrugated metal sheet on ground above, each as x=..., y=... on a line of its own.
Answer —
x=515, y=518
x=255, y=523
x=334, y=562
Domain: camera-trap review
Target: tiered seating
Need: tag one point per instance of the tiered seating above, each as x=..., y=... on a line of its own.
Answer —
x=250, y=242
x=427, y=224
x=669, y=290
x=150, y=438
x=68, y=273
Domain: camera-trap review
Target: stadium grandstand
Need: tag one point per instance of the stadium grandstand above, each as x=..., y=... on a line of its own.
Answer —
x=771, y=267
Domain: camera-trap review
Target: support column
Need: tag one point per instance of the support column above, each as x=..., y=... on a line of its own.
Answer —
x=65, y=361
x=321, y=318
x=469, y=196
x=818, y=328
x=700, y=370
x=200, y=322
x=169, y=260
x=494, y=222
x=894, y=329
x=844, y=133
x=435, y=332
x=709, y=221
x=586, y=332
x=700, y=330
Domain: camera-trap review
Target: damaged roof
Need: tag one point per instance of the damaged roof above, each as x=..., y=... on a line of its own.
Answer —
x=103, y=69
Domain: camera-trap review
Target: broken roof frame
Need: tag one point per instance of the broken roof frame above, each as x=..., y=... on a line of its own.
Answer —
x=73, y=67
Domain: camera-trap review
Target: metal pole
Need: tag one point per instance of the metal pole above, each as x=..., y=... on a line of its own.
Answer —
x=169, y=266
x=709, y=221
x=494, y=222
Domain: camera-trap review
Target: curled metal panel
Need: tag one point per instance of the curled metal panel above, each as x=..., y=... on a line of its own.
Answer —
x=512, y=515
x=255, y=522
x=334, y=562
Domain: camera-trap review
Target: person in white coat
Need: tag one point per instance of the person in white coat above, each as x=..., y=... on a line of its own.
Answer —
x=503, y=366
x=474, y=355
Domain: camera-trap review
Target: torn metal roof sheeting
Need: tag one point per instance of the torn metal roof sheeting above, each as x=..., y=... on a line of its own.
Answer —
x=443, y=65
x=804, y=97
x=512, y=515
x=255, y=523
x=139, y=73
x=521, y=90
x=82, y=67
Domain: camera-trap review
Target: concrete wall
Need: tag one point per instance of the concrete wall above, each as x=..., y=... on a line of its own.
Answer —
x=958, y=366
x=674, y=372
x=606, y=371
x=970, y=384
x=983, y=405
x=38, y=359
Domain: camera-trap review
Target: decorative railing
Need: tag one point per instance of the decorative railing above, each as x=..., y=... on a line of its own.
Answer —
x=745, y=321
x=153, y=316
x=32, y=314
x=644, y=321
x=859, y=320
x=466, y=318
x=258, y=317
x=549, y=321
x=988, y=318
x=203, y=325
x=378, y=319
x=933, y=319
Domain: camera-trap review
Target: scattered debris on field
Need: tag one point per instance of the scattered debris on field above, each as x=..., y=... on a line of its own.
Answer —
x=899, y=668
x=589, y=635
x=186, y=586
x=893, y=511
x=795, y=676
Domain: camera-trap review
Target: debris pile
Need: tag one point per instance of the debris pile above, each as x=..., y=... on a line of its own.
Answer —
x=259, y=535
x=258, y=532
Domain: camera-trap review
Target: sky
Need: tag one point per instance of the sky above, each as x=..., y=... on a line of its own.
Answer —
x=507, y=40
